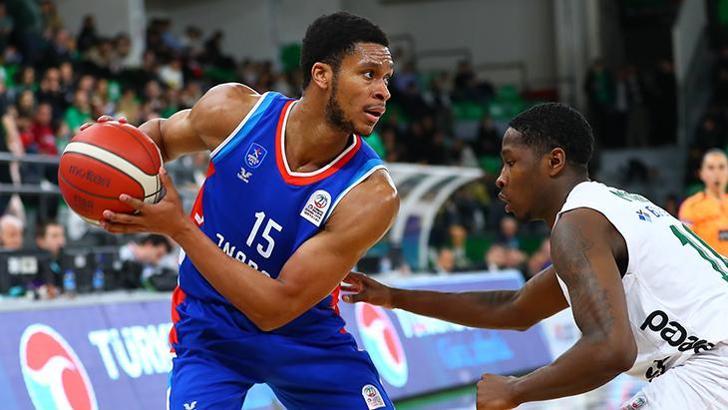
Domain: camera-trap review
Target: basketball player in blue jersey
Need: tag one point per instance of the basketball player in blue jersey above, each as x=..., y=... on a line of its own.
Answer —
x=293, y=198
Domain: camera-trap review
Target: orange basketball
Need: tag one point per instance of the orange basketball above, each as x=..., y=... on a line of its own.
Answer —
x=104, y=161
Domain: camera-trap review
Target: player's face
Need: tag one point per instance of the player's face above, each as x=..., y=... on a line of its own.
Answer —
x=520, y=178
x=714, y=171
x=359, y=93
x=152, y=254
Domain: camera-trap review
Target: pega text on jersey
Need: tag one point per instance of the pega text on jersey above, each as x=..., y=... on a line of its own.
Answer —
x=674, y=333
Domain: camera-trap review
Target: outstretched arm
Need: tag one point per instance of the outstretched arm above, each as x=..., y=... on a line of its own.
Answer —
x=583, y=258
x=520, y=309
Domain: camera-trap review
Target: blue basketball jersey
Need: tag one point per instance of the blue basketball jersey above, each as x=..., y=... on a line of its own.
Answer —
x=259, y=212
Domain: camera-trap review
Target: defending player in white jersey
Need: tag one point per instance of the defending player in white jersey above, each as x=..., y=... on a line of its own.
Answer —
x=648, y=295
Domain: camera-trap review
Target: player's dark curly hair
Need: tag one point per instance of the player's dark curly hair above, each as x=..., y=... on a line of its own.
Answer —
x=331, y=37
x=551, y=125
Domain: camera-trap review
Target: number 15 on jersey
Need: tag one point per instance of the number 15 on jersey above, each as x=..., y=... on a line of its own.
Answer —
x=270, y=242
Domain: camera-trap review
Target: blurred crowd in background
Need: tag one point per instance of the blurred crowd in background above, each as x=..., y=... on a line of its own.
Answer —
x=55, y=78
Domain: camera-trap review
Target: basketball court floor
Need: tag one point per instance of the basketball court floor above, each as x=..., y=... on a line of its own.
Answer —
x=609, y=397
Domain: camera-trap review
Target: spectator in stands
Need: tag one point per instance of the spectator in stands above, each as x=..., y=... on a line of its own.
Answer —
x=140, y=260
x=6, y=26
x=26, y=104
x=707, y=212
x=28, y=29
x=458, y=241
x=266, y=76
x=438, y=152
x=129, y=106
x=86, y=83
x=171, y=74
x=102, y=99
x=11, y=232
x=192, y=42
x=67, y=81
x=100, y=57
x=599, y=89
x=9, y=143
x=465, y=82
x=10, y=55
x=149, y=250
x=508, y=234
x=169, y=40
x=42, y=138
x=511, y=255
x=437, y=97
x=60, y=49
x=248, y=71
x=24, y=124
x=50, y=19
x=496, y=257
x=213, y=51
x=26, y=81
x=153, y=96
x=406, y=76
x=445, y=262
x=154, y=37
x=412, y=102
x=416, y=143
x=79, y=113
x=630, y=113
x=171, y=102
x=500, y=256
x=191, y=93
x=88, y=36
x=488, y=140
x=389, y=141
x=540, y=259
x=50, y=237
x=50, y=93
x=123, y=58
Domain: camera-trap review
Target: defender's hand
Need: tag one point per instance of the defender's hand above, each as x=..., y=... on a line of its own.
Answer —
x=366, y=289
x=496, y=393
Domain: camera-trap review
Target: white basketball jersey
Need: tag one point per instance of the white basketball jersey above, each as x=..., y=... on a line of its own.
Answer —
x=676, y=285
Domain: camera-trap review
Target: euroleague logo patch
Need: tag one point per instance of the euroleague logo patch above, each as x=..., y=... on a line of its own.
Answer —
x=320, y=201
x=53, y=374
x=316, y=207
x=255, y=155
x=372, y=397
x=381, y=340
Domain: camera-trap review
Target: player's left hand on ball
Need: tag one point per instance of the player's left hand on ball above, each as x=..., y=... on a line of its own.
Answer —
x=103, y=118
x=165, y=217
x=496, y=392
